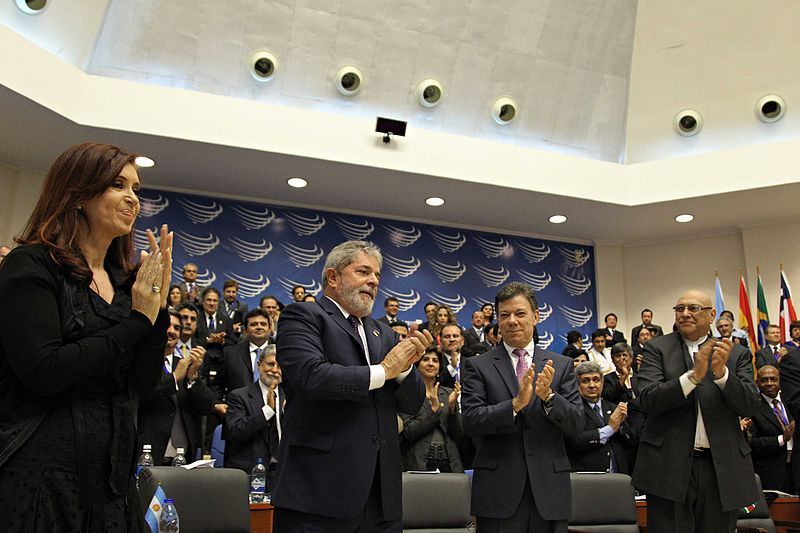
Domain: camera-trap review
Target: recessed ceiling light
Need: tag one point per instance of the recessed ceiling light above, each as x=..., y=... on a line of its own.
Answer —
x=144, y=162
x=684, y=218
x=558, y=219
x=434, y=201
x=297, y=183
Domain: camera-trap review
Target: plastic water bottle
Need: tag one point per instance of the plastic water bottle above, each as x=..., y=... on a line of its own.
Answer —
x=169, y=523
x=145, y=460
x=180, y=458
x=258, y=482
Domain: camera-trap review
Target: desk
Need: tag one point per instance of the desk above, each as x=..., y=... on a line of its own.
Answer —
x=780, y=509
x=261, y=517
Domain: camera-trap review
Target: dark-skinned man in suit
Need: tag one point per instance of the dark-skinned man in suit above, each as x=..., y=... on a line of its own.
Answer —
x=346, y=376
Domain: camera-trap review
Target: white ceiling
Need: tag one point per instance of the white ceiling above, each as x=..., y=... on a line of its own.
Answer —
x=568, y=64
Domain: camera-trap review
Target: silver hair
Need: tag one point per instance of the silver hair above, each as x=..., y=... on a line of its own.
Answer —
x=588, y=367
x=269, y=349
x=345, y=253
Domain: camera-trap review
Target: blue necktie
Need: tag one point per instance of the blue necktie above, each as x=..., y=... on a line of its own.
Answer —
x=256, y=373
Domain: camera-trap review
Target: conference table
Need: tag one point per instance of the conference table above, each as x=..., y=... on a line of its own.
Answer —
x=261, y=517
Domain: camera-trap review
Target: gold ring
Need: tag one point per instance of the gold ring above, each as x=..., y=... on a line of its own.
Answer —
x=156, y=289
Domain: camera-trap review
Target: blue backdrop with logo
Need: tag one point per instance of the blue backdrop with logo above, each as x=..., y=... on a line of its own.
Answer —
x=270, y=249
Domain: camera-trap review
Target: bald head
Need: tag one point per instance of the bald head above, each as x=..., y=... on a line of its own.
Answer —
x=695, y=314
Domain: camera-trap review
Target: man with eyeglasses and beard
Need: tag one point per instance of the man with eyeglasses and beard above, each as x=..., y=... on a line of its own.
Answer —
x=693, y=461
x=346, y=376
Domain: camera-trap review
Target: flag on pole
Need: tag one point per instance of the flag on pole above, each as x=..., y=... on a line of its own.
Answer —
x=745, y=317
x=720, y=303
x=153, y=514
x=763, y=315
x=787, y=309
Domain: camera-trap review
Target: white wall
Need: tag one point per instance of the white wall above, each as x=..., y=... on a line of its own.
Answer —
x=19, y=189
x=610, y=279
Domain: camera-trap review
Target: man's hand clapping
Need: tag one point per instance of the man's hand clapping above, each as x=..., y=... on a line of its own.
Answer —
x=618, y=416
x=406, y=353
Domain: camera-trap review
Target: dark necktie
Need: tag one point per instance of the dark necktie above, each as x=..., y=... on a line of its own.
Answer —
x=354, y=321
x=775, y=352
x=211, y=324
x=778, y=408
x=599, y=413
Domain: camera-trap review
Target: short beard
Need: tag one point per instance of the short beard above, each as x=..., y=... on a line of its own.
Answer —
x=351, y=298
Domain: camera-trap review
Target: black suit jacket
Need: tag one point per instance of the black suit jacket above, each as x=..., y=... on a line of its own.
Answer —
x=335, y=426
x=617, y=337
x=790, y=394
x=214, y=352
x=635, y=331
x=664, y=458
x=587, y=454
x=769, y=458
x=616, y=392
x=157, y=412
x=765, y=356
x=237, y=371
x=473, y=344
x=526, y=448
x=248, y=435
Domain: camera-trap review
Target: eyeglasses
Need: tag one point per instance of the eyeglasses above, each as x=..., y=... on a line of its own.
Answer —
x=693, y=309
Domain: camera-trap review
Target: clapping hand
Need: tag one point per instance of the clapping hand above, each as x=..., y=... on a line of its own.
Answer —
x=452, y=399
x=434, y=399
x=544, y=380
x=618, y=416
x=149, y=290
x=525, y=393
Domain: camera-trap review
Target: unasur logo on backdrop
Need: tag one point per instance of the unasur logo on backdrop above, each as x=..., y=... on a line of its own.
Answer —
x=270, y=249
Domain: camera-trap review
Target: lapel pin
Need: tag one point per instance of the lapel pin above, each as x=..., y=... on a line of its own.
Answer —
x=375, y=333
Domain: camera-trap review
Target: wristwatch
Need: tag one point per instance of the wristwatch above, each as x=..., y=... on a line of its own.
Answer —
x=693, y=380
x=549, y=401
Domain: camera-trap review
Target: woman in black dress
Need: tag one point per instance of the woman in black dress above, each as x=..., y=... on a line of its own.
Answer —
x=83, y=333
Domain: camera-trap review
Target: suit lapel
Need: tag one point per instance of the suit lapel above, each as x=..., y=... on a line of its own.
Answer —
x=373, y=334
x=770, y=414
x=256, y=404
x=244, y=352
x=502, y=362
x=591, y=414
x=341, y=321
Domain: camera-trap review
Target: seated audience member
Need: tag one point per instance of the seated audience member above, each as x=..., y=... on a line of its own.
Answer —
x=773, y=352
x=620, y=385
x=189, y=286
x=578, y=357
x=574, y=343
x=488, y=313
x=175, y=297
x=452, y=344
x=241, y=360
x=771, y=434
x=725, y=327
x=399, y=327
x=391, y=306
x=430, y=316
x=310, y=298
x=642, y=336
x=169, y=416
x=444, y=316
x=298, y=293
x=613, y=335
x=737, y=333
x=605, y=442
x=254, y=423
x=273, y=307
x=492, y=334
x=794, y=333
x=647, y=322
x=474, y=337
x=599, y=353
x=430, y=437
x=232, y=307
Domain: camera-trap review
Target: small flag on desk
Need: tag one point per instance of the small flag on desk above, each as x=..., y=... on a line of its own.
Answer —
x=153, y=514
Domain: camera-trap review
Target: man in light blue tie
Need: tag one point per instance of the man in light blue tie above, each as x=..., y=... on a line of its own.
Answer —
x=517, y=402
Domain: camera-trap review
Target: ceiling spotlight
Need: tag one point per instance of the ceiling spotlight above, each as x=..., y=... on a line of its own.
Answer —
x=263, y=65
x=688, y=122
x=558, y=219
x=770, y=108
x=143, y=162
x=31, y=7
x=297, y=183
x=504, y=109
x=349, y=80
x=684, y=218
x=434, y=201
x=429, y=92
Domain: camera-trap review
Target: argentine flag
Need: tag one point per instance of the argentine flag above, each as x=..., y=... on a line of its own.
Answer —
x=153, y=514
